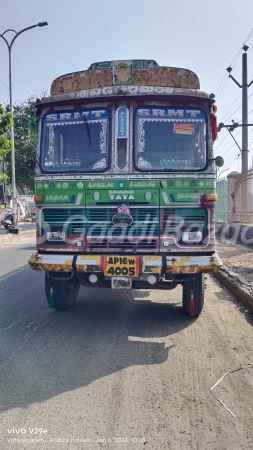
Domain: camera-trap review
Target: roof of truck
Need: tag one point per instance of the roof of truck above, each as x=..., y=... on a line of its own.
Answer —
x=136, y=72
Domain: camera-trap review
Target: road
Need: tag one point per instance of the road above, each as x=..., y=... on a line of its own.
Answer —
x=120, y=366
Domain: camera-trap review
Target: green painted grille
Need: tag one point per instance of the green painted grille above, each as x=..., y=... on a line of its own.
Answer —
x=174, y=217
x=141, y=217
x=56, y=218
x=81, y=220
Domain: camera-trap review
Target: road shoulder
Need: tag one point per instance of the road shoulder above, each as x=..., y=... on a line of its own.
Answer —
x=236, y=274
x=8, y=238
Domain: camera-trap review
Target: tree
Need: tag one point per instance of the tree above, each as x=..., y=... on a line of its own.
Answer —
x=5, y=143
x=25, y=144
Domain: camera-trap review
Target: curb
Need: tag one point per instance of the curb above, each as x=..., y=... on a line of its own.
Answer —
x=233, y=283
x=9, y=238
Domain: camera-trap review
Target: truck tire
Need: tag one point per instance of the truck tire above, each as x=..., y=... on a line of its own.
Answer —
x=61, y=293
x=193, y=295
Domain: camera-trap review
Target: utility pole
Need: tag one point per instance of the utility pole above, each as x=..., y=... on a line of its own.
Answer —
x=245, y=150
x=244, y=86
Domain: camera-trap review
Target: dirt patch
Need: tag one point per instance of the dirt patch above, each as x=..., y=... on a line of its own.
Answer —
x=236, y=274
x=8, y=238
x=237, y=258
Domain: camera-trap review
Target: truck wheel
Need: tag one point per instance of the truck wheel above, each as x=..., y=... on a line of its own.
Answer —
x=193, y=295
x=61, y=293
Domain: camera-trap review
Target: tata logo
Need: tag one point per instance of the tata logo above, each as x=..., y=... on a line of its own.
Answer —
x=123, y=216
x=121, y=197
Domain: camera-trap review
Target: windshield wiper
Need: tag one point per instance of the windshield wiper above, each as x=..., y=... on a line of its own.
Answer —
x=87, y=128
x=168, y=170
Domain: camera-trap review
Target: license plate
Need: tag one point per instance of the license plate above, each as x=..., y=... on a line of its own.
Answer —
x=121, y=266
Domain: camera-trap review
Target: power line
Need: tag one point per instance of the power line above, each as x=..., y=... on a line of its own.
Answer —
x=234, y=111
x=238, y=130
x=250, y=111
x=225, y=76
x=231, y=107
x=5, y=85
x=228, y=162
x=221, y=83
x=237, y=57
x=230, y=148
x=226, y=150
x=236, y=108
x=236, y=60
x=250, y=78
x=227, y=135
x=234, y=146
x=36, y=90
x=222, y=89
x=221, y=141
x=249, y=35
x=228, y=143
x=25, y=73
x=231, y=158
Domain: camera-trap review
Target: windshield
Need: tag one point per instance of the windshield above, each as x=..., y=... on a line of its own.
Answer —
x=75, y=141
x=170, y=139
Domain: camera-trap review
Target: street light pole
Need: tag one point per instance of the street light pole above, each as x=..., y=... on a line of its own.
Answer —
x=225, y=170
x=9, y=45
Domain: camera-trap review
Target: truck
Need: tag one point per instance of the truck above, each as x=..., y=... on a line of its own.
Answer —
x=126, y=182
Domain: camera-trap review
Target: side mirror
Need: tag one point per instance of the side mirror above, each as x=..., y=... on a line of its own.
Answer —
x=219, y=161
x=31, y=164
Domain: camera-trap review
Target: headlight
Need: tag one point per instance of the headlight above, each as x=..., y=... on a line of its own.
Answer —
x=192, y=237
x=56, y=236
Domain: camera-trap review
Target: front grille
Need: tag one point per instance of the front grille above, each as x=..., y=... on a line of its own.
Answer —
x=183, y=218
x=73, y=220
x=138, y=244
x=175, y=221
x=97, y=224
x=143, y=233
x=103, y=217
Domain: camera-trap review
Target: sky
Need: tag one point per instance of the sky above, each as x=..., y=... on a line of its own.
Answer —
x=205, y=37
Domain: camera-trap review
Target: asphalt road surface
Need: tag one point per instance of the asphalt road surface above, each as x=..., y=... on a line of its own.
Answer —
x=121, y=370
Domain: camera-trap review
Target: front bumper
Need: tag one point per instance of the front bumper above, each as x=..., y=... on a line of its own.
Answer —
x=147, y=264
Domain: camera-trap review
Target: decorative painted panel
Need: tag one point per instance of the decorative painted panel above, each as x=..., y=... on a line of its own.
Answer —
x=129, y=72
